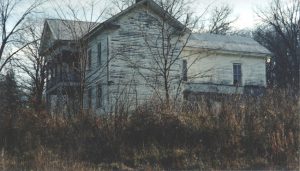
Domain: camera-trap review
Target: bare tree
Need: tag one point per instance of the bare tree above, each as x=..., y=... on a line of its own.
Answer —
x=280, y=34
x=164, y=50
x=11, y=25
x=220, y=20
x=34, y=64
x=164, y=43
x=122, y=4
x=167, y=47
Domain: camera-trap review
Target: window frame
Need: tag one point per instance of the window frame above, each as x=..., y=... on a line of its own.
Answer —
x=184, y=70
x=99, y=53
x=99, y=94
x=237, y=74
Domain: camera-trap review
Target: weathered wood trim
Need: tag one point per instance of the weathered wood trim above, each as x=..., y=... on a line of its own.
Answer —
x=107, y=71
x=226, y=52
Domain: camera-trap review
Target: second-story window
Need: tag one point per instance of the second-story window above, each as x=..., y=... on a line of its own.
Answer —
x=184, y=70
x=237, y=74
x=89, y=59
x=99, y=53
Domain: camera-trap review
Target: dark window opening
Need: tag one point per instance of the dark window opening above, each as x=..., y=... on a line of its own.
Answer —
x=184, y=70
x=99, y=54
x=99, y=96
x=237, y=74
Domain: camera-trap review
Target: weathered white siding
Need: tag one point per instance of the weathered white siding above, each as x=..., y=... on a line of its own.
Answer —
x=132, y=72
x=97, y=74
x=217, y=68
x=131, y=76
x=133, y=69
x=211, y=67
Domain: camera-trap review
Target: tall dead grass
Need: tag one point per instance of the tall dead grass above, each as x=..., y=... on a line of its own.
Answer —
x=229, y=133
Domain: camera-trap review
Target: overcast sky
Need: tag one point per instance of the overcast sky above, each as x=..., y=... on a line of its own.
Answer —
x=243, y=9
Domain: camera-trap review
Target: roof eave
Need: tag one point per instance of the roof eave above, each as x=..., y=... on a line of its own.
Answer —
x=252, y=54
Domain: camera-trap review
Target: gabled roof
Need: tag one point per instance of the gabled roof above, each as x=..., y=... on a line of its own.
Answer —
x=226, y=43
x=69, y=29
x=150, y=4
x=63, y=30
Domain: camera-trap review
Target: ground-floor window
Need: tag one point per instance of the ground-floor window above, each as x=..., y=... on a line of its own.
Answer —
x=89, y=98
x=237, y=74
x=99, y=96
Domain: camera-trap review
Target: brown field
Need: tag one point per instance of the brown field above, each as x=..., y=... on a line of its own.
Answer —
x=242, y=133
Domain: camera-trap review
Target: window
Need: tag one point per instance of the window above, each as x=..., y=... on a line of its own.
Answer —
x=54, y=72
x=89, y=58
x=90, y=98
x=237, y=74
x=99, y=96
x=99, y=53
x=184, y=70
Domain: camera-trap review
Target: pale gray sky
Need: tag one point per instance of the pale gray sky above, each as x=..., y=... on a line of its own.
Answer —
x=243, y=9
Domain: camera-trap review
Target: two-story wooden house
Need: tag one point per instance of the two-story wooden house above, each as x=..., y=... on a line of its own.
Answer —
x=125, y=56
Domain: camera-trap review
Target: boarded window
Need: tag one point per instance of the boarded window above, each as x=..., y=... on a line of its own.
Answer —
x=237, y=74
x=99, y=53
x=99, y=96
x=89, y=58
x=90, y=98
x=184, y=70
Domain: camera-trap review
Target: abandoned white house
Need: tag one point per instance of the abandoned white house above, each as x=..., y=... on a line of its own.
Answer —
x=121, y=59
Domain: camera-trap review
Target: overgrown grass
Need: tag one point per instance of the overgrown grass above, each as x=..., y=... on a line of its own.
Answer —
x=236, y=133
